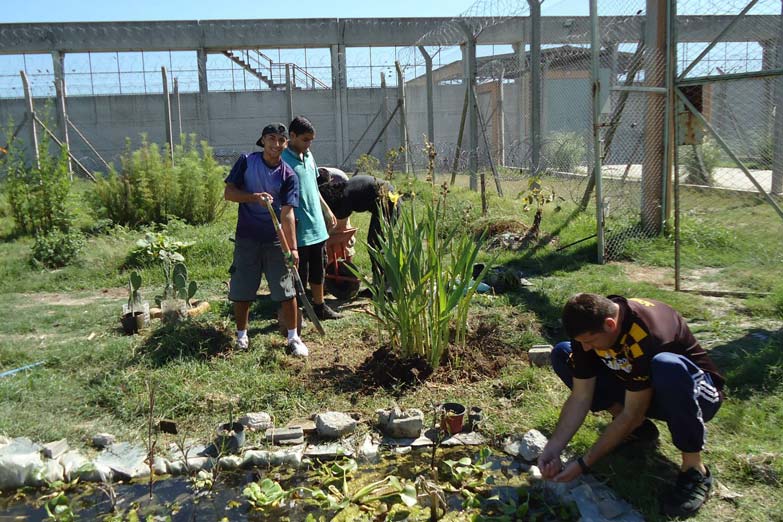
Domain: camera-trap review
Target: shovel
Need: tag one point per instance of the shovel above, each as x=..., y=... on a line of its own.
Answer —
x=293, y=271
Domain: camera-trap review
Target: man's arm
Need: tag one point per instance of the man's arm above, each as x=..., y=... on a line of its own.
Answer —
x=237, y=195
x=633, y=413
x=571, y=418
x=331, y=220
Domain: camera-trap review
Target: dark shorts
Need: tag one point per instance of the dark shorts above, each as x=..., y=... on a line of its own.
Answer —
x=312, y=263
x=251, y=260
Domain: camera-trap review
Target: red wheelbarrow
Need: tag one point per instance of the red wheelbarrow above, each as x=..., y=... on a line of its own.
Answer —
x=340, y=281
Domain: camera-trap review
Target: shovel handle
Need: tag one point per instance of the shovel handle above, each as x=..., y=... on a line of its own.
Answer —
x=278, y=228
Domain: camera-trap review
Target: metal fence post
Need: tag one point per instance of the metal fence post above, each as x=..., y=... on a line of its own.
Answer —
x=595, y=48
x=535, y=86
x=403, y=118
x=289, y=92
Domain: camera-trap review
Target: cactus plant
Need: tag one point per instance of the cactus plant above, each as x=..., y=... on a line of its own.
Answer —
x=134, y=296
x=183, y=288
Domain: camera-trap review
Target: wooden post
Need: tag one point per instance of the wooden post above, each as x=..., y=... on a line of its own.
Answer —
x=167, y=113
x=654, y=76
x=403, y=119
x=62, y=120
x=28, y=97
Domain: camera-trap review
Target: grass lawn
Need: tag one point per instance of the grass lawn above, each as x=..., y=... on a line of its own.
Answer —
x=95, y=378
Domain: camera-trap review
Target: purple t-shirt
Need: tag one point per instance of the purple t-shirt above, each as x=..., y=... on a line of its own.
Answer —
x=251, y=174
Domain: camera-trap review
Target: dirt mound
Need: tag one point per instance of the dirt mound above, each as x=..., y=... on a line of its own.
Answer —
x=483, y=356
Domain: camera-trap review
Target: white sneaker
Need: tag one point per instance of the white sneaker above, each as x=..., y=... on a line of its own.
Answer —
x=242, y=343
x=298, y=348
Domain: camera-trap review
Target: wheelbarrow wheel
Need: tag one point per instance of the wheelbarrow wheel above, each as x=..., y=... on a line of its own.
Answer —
x=340, y=281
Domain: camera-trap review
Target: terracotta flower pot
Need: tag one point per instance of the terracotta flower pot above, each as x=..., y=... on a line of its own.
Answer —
x=452, y=417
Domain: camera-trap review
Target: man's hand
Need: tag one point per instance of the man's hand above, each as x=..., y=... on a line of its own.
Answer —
x=569, y=473
x=292, y=258
x=549, y=463
x=262, y=197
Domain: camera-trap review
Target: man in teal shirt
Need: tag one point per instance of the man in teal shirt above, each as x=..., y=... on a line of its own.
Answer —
x=312, y=214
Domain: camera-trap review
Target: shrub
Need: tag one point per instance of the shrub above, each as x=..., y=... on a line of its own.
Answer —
x=56, y=249
x=368, y=164
x=564, y=151
x=37, y=195
x=711, y=156
x=148, y=189
x=424, y=285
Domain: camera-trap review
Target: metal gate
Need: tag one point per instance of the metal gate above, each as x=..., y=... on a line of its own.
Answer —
x=688, y=129
x=728, y=143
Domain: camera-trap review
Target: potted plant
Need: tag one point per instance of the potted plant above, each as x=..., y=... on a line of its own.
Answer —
x=173, y=308
x=452, y=417
x=134, y=316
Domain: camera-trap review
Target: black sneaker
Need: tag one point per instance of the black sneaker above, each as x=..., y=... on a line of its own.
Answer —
x=323, y=312
x=646, y=434
x=689, y=493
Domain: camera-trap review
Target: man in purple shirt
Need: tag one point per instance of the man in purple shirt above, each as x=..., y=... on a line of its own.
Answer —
x=255, y=179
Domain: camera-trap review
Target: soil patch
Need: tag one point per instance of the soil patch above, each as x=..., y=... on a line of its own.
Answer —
x=660, y=277
x=484, y=356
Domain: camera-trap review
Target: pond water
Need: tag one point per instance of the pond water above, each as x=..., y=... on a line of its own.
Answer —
x=484, y=485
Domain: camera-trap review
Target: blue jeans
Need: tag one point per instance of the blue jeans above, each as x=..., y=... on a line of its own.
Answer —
x=683, y=394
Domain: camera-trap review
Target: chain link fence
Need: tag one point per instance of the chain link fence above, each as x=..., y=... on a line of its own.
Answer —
x=729, y=136
x=525, y=130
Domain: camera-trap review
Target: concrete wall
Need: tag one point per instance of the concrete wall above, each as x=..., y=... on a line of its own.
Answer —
x=235, y=120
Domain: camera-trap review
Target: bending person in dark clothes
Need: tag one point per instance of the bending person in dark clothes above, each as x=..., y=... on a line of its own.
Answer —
x=360, y=193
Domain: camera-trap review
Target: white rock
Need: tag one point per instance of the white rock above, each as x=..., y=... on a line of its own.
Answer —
x=196, y=464
x=533, y=445
x=529, y=446
x=368, y=451
x=403, y=450
x=328, y=450
x=401, y=424
x=20, y=465
x=540, y=355
x=535, y=473
x=230, y=462
x=288, y=457
x=160, y=465
x=255, y=458
x=94, y=472
x=103, y=440
x=334, y=424
x=71, y=462
x=53, y=471
x=257, y=421
x=125, y=460
x=53, y=450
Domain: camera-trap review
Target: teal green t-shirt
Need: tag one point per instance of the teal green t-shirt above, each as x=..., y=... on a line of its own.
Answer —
x=310, y=224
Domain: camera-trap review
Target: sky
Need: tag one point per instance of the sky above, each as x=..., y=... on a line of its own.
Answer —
x=103, y=10
x=105, y=73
